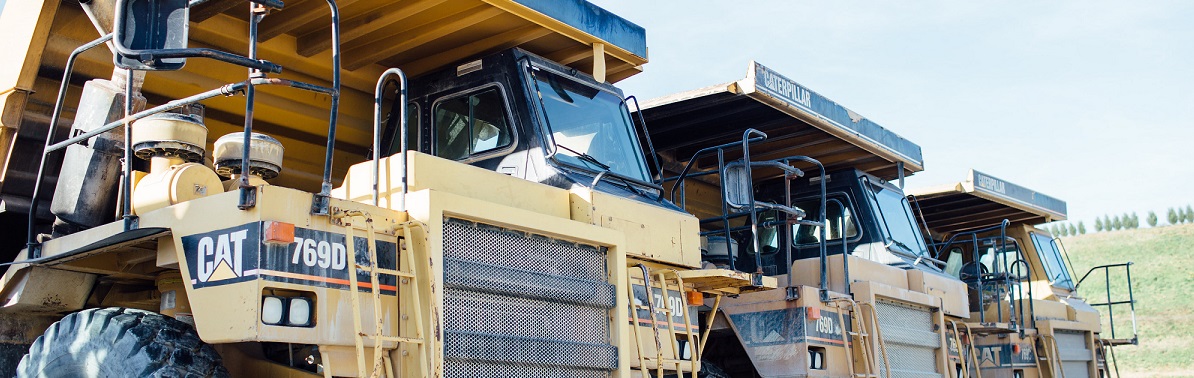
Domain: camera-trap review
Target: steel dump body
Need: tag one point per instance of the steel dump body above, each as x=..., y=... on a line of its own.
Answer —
x=983, y=200
x=418, y=36
x=798, y=120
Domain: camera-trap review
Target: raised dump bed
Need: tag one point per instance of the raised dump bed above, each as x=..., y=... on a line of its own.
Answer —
x=418, y=36
x=983, y=201
x=797, y=120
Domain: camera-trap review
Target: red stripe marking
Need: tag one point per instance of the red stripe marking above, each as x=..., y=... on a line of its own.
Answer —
x=337, y=281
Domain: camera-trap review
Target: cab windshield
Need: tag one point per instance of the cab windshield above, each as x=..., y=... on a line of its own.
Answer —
x=591, y=127
x=1051, y=258
x=897, y=222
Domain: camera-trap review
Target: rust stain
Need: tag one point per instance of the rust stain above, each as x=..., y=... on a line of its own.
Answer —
x=53, y=301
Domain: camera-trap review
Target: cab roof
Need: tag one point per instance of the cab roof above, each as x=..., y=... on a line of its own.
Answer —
x=981, y=201
x=797, y=120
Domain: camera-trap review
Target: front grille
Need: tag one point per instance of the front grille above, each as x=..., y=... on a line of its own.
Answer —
x=908, y=334
x=1074, y=355
x=523, y=305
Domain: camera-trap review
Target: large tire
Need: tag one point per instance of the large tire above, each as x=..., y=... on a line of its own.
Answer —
x=120, y=342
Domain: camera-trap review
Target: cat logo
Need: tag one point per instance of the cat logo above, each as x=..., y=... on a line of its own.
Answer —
x=220, y=257
x=223, y=256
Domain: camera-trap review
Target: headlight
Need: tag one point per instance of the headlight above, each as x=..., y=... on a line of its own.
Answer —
x=300, y=312
x=287, y=311
x=272, y=310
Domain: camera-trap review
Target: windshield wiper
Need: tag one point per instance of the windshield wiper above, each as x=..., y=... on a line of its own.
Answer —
x=585, y=157
x=910, y=253
x=1059, y=278
x=897, y=243
x=606, y=172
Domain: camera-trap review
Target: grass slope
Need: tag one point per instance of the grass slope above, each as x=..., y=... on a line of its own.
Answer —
x=1162, y=278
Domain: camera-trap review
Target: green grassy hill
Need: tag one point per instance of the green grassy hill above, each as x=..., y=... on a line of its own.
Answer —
x=1163, y=279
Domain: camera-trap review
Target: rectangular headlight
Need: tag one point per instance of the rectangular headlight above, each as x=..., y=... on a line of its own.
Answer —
x=273, y=310
x=300, y=312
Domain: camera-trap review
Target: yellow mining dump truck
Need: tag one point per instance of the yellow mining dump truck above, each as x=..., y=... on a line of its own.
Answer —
x=249, y=190
x=802, y=189
x=1026, y=317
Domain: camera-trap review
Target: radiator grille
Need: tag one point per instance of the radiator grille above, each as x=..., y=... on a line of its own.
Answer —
x=910, y=339
x=1074, y=355
x=524, y=305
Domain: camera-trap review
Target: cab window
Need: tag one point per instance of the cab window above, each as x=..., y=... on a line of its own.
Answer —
x=1055, y=270
x=392, y=141
x=471, y=124
x=992, y=257
x=834, y=215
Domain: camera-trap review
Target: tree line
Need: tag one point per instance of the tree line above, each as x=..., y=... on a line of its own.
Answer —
x=1175, y=215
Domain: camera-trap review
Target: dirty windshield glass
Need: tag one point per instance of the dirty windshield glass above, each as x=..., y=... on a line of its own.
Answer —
x=1051, y=258
x=591, y=127
x=898, y=224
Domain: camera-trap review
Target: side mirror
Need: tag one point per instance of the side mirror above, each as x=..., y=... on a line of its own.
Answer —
x=738, y=187
x=151, y=35
x=146, y=25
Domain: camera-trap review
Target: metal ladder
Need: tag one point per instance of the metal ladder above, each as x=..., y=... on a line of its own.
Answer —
x=860, y=340
x=675, y=359
x=1109, y=364
x=1052, y=356
x=978, y=373
x=381, y=357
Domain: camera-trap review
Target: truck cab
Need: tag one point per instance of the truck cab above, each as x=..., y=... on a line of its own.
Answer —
x=519, y=114
x=878, y=222
x=1024, y=302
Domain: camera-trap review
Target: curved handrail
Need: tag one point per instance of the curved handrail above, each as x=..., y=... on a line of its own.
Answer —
x=320, y=204
x=1108, y=266
x=402, y=131
x=1031, y=307
x=54, y=118
x=688, y=167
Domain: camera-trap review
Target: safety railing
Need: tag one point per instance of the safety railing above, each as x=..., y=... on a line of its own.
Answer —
x=1004, y=275
x=737, y=195
x=136, y=58
x=1111, y=304
x=748, y=137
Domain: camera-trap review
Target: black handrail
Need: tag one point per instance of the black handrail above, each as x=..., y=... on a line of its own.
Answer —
x=646, y=135
x=702, y=152
x=41, y=167
x=319, y=205
x=823, y=252
x=721, y=164
x=1020, y=267
x=1131, y=302
x=378, y=96
x=1013, y=318
x=256, y=77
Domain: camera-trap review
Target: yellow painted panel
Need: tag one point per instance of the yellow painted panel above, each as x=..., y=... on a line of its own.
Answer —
x=808, y=272
x=430, y=172
x=652, y=232
x=951, y=291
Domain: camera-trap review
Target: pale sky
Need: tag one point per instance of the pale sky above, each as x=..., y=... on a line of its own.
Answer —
x=1088, y=101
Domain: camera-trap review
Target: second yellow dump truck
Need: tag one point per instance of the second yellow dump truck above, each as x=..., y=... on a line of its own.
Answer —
x=1027, y=319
